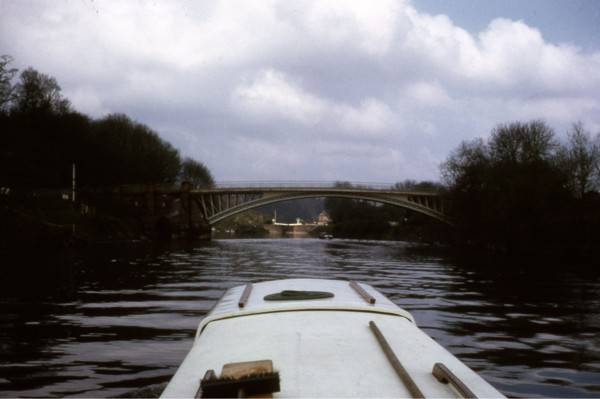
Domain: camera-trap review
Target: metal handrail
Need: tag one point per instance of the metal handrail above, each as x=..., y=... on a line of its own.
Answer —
x=301, y=183
x=445, y=376
x=406, y=378
x=245, y=295
x=363, y=294
x=234, y=184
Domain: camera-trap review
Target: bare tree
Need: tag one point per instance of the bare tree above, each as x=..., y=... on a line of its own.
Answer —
x=39, y=92
x=6, y=87
x=581, y=160
x=522, y=142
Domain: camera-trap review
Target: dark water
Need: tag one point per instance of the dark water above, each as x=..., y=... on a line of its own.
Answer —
x=122, y=319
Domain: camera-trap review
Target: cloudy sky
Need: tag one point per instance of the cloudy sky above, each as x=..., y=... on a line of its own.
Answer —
x=373, y=91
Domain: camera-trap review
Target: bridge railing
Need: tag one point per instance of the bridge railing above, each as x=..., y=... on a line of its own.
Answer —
x=240, y=185
x=303, y=184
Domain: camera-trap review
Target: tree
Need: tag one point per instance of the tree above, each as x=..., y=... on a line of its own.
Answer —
x=39, y=93
x=421, y=186
x=580, y=158
x=508, y=193
x=128, y=152
x=466, y=166
x=42, y=138
x=522, y=142
x=196, y=173
x=6, y=87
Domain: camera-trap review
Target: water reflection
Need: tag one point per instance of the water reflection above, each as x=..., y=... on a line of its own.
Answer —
x=109, y=322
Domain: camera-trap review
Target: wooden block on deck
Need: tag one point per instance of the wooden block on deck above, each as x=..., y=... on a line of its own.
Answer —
x=243, y=369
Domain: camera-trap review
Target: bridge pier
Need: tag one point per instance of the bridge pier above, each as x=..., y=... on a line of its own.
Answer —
x=192, y=216
x=172, y=213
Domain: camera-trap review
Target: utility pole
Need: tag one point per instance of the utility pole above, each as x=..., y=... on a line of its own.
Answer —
x=73, y=196
x=73, y=186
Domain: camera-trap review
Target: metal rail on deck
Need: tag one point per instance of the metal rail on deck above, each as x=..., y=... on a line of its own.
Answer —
x=445, y=376
x=244, y=298
x=361, y=291
x=410, y=384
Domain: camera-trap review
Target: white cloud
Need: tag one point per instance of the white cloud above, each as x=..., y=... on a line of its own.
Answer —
x=273, y=94
x=88, y=101
x=426, y=93
x=370, y=116
x=369, y=26
x=304, y=89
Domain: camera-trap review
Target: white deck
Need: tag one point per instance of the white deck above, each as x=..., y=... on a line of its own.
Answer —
x=345, y=299
x=321, y=348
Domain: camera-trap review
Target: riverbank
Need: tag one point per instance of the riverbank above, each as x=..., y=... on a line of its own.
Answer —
x=65, y=227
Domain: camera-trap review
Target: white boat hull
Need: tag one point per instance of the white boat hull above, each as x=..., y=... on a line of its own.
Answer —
x=321, y=347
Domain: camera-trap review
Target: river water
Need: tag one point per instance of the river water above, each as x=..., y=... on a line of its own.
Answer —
x=120, y=319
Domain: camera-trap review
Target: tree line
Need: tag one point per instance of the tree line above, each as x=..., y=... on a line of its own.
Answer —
x=525, y=191
x=369, y=219
x=521, y=191
x=43, y=136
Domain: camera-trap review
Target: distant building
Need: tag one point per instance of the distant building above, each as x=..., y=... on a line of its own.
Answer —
x=323, y=219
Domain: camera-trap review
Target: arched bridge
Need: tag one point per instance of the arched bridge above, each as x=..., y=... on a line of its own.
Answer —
x=223, y=201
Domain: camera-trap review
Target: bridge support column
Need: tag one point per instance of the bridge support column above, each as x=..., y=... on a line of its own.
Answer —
x=150, y=214
x=204, y=232
x=193, y=215
x=204, y=228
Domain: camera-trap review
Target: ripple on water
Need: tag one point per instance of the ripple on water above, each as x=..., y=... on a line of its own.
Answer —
x=125, y=322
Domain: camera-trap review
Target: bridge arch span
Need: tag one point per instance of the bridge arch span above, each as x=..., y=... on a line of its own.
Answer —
x=423, y=203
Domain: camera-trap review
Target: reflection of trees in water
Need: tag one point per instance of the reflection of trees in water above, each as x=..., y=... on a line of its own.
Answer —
x=531, y=316
x=528, y=279
x=40, y=312
x=30, y=289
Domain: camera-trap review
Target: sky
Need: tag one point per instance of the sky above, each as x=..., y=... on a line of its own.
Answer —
x=364, y=91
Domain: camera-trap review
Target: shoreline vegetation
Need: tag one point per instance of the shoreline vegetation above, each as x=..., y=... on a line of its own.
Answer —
x=46, y=141
x=522, y=191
